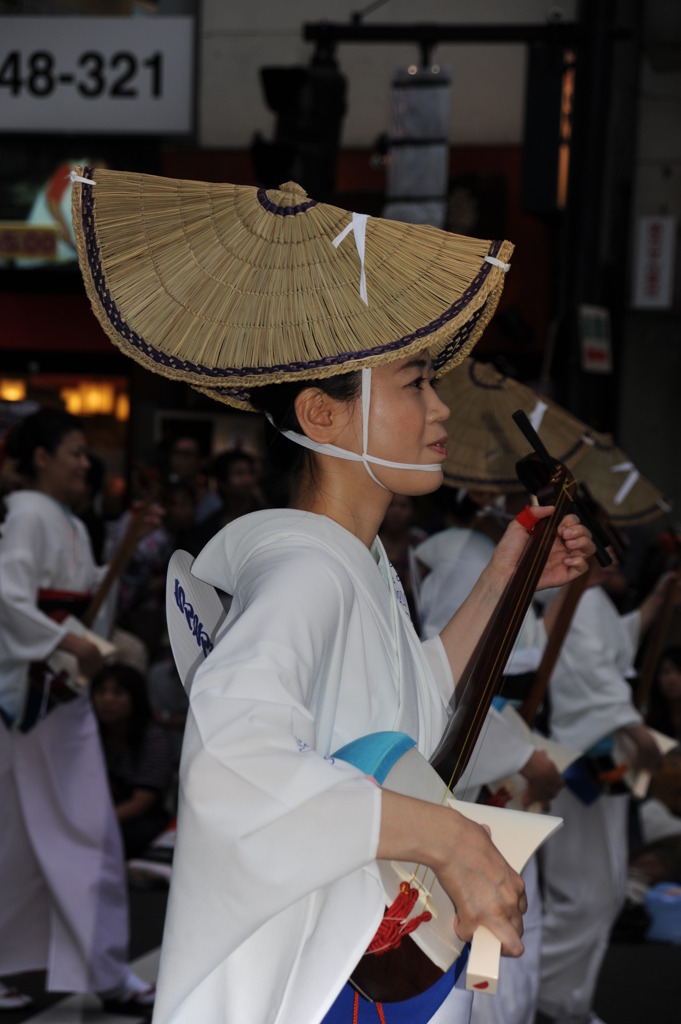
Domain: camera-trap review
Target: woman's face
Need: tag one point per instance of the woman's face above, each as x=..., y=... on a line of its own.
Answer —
x=405, y=424
x=112, y=703
x=669, y=679
x=63, y=473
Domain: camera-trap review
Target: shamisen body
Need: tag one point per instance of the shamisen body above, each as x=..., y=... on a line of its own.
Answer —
x=275, y=892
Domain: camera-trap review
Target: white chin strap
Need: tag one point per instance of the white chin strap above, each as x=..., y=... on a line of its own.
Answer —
x=342, y=453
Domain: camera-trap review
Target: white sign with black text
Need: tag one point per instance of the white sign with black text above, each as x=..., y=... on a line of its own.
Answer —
x=97, y=75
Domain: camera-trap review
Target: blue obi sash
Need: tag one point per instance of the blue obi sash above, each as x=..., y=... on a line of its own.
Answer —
x=417, y=1010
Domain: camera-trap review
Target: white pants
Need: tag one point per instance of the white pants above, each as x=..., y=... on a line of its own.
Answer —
x=584, y=874
x=63, y=906
x=456, y=1008
x=515, y=1000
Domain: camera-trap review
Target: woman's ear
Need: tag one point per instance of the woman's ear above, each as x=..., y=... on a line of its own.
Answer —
x=321, y=417
x=40, y=458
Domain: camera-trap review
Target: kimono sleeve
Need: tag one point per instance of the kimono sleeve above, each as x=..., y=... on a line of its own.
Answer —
x=265, y=819
x=590, y=697
x=632, y=623
x=499, y=752
x=27, y=633
x=436, y=656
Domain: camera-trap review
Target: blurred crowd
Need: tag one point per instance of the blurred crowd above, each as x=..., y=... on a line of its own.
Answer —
x=55, y=524
x=89, y=694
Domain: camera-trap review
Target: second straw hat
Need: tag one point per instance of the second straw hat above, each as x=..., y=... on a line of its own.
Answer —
x=483, y=401
x=231, y=287
x=627, y=497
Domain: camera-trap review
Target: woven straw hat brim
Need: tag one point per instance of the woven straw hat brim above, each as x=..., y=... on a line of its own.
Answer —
x=230, y=287
x=484, y=441
x=614, y=482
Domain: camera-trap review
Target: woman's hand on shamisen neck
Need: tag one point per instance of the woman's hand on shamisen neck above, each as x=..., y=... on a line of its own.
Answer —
x=568, y=559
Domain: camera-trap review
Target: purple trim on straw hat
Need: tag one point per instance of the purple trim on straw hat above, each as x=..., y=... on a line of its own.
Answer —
x=283, y=211
x=125, y=331
x=484, y=385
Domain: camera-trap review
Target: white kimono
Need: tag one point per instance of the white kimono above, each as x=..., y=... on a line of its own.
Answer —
x=64, y=896
x=585, y=865
x=456, y=557
x=275, y=892
x=590, y=696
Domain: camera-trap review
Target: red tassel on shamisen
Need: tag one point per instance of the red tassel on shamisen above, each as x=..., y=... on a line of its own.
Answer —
x=396, y=922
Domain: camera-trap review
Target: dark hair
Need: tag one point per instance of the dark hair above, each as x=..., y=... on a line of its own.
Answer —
x=667, y=850
x=287, y=460
x=455, y=502
x=133, y=682
x=172, y=443
x=46, y=429
x=672, y=654
x=659, y=712
x=172, y=489
x=222, y=463
x=96, y=472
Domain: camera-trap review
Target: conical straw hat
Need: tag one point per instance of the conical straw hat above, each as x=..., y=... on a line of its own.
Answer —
x=229, y=287
x=484, y=441
x=618, y=487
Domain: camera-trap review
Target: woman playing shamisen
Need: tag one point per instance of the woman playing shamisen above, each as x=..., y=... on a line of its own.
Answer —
x=336, y=326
